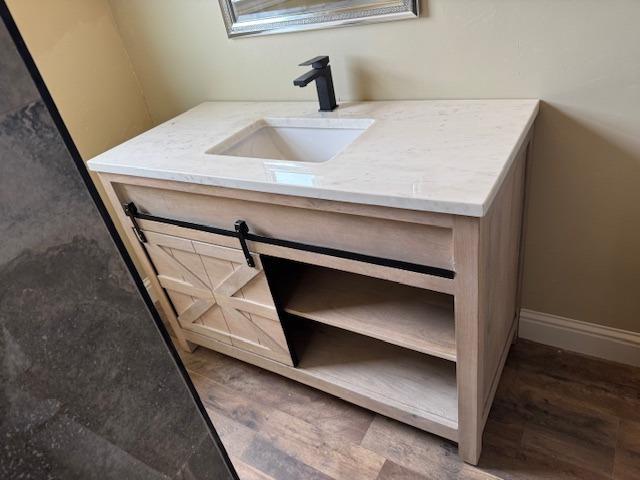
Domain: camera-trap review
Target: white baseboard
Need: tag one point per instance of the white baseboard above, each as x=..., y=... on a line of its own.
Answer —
x=587, y=338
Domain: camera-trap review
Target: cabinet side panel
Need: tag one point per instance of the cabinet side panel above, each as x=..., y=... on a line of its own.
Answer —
x=500, y=232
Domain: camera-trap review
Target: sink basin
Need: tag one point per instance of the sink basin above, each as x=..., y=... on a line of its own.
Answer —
x=294, y=139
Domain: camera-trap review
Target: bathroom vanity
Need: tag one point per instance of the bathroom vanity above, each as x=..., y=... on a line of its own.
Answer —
x=371, y=252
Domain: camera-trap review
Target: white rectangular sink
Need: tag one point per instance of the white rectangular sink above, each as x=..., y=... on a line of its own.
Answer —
x=294, y=139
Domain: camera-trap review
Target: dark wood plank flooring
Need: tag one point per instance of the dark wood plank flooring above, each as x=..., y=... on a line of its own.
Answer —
x=557, y=415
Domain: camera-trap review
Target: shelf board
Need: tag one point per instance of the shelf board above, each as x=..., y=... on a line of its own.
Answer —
x=411, y=387
x=409, y=317
x=420, y=387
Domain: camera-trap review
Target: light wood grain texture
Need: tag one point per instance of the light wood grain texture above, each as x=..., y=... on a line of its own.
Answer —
x=498, y=373
x=528, y=154
x=414, y=388
x=386, y=238
x=419, y=383
x=498, y=266
x=430, y=282
x=406, y=316
x=469, y=342
x=412, y=216
x=207, y=285
x=486, y=253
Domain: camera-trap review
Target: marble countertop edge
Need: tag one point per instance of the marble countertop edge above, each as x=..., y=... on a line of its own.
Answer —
x=526, y=132
x=406, y=203
x=450, y=156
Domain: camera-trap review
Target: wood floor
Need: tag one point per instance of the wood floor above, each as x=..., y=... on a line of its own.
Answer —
x=557, y=415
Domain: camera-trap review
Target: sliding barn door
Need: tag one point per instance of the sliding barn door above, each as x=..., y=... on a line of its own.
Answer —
x=216, y=294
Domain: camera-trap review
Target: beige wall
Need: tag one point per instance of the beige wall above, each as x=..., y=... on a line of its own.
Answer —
x=80, y=55
x=579, y=56
x=82, y=59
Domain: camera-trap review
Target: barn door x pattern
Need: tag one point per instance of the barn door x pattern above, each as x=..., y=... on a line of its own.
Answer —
x=216, y=294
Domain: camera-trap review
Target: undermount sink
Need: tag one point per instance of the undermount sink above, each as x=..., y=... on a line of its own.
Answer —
x=293, y=139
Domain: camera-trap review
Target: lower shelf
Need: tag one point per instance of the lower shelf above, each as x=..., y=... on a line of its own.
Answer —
x=408, y=386
x=414, y=382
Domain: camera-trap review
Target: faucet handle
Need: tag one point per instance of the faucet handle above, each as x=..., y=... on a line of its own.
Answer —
x=317, y=62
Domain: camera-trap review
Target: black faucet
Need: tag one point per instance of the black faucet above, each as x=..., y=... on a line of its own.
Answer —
x=321, y=73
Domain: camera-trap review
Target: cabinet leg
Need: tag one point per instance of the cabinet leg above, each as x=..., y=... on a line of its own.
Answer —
x=470, y=451
x=176, y=335
x=186, y=345
x=469, y=329
x=173, y=327
x=470, y=428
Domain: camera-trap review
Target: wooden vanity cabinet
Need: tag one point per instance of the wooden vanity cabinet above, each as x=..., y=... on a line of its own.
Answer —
x=423, y=348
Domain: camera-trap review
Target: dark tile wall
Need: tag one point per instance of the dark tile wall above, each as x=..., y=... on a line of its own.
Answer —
x=87, y=387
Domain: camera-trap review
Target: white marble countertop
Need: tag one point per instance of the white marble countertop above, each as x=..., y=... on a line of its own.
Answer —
x=446, y=156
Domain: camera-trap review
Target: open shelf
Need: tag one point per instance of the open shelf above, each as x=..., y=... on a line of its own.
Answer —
x=410, y=317
x=409, y=386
